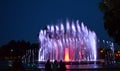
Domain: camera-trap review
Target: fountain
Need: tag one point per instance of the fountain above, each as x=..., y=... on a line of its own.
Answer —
x=72, y=42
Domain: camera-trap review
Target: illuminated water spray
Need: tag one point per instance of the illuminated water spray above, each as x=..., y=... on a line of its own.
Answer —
x=71, y=43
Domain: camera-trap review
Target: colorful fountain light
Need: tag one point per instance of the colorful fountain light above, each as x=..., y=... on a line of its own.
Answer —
x=73, y=43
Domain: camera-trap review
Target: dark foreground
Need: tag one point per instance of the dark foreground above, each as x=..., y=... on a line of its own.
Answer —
x=69, y=67
x=37, y=69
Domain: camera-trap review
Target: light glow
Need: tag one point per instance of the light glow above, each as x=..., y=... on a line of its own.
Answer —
x=67, y=55
x=73, y=43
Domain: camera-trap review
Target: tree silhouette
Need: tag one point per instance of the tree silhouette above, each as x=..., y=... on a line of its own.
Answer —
x=16, y=48
x=111, y=11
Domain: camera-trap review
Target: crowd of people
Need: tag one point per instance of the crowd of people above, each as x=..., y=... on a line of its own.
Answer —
x=55, y=66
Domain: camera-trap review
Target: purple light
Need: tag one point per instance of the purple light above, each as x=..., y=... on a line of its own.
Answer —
x=73, y=43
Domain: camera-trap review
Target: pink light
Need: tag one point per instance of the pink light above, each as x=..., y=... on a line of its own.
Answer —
x=57, y=52
x=67, y=54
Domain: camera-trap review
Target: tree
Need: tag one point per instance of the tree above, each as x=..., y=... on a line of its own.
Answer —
x=111, y=11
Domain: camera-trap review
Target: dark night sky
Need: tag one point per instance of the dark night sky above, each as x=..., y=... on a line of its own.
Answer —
x=22, y=19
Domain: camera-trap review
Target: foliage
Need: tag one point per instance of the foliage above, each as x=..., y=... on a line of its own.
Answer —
x=111, y=11
x=16, y=48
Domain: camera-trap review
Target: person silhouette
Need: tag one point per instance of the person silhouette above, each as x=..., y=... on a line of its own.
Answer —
x=62, y=66
x=55, y=65
x=48, y=66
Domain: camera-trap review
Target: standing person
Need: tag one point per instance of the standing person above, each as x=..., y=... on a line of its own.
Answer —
x=48, y=66
x=62, y=66
x=55, y=66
